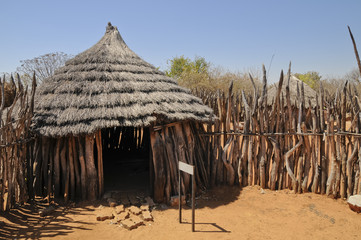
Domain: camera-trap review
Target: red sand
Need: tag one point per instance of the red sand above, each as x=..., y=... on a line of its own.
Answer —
x=223, y=213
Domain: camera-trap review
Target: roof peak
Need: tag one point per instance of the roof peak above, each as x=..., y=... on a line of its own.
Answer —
x=110, y=27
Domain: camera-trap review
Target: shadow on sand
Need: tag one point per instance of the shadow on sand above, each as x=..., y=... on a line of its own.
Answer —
x=26, y=223
x=208, y=227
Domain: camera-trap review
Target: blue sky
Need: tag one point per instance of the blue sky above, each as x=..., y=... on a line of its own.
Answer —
x=236, y=35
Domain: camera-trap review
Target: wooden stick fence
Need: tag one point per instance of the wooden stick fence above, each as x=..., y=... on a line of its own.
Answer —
x=286, y=145
x=15, y=139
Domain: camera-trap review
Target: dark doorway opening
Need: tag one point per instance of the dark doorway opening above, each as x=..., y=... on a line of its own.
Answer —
x=126, y=160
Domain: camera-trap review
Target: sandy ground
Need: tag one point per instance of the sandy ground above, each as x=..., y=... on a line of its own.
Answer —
x=223, y=213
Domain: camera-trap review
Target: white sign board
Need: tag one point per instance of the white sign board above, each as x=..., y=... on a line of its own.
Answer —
x=186, y=168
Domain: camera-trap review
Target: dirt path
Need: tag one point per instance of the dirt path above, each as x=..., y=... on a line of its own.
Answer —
x=224, y=213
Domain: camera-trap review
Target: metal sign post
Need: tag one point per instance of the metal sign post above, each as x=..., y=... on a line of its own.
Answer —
x=190, y=170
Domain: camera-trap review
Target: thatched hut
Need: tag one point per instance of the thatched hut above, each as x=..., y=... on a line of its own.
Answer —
x=295, y=87
x=107, y=105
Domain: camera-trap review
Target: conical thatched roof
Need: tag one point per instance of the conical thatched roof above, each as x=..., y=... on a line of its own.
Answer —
x=108, y=85
x=310, y=94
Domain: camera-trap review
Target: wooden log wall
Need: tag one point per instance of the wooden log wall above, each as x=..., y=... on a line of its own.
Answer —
x=71, y=168
x=286, y=145
x=68, y=167
x=15, y=120
x=172, y=143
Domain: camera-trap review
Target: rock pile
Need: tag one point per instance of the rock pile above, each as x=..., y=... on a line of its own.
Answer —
x=127, y=210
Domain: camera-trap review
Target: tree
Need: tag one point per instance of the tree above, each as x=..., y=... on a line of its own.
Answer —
x=191, y=74
x=198, y=74
x=311, y=78
x=353, y=76
x=180, y=65
x=44, y=66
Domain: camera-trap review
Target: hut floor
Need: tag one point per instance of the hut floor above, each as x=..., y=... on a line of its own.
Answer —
x=127, y=175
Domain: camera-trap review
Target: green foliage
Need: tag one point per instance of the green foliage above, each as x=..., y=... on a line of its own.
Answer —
x=182, y=65
x=311, y=78
x=199, y=75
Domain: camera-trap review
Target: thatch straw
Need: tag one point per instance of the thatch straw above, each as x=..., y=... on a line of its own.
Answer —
x=108, y=85
x=310, y=94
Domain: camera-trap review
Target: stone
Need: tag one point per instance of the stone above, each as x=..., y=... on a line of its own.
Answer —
x=122, y=216
x=119, y=209
x=144, y=207
x=124, y=200
x=262, y=191
x=105, y=214
x=137, y=220
x=112, y=202
x=104, y=217
x=107, y=195
x=135, y=210
x=163, y=206
x=354, y=202
x=147, y=216
x=47, y=211
x=150, y=201
x=128, y=224
x=174, y=201
x=133, y=199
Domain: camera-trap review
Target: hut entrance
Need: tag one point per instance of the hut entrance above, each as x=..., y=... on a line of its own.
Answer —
x=126, y=161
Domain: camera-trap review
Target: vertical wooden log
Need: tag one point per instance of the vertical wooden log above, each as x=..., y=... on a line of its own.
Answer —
x=355, y=49
x=98, y=139
x=50, y=171
x=76, y=169
x=215, y=158
x=300, y=172
x=71, y=168
x=349, y=164
x=343, y=145
x=252, y=164
x=90, y=165
x=30, y=174
x=57, y=169
x=83, y=174
x=45, y=163
x=315, y=154
x=275, y=163
x=307, y=158
x=324, y=161
x=158, y=162
x=262, y=107
x=168, y=182
x=227, y=161
x=247, y=168
x=209, y=151
x=331, y=178
x=182, y=153
x=170, y=162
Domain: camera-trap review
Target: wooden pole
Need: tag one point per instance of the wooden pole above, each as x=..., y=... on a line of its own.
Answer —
x=355, y=49
x=83, y=174
x=91, y=171
x=98, y=139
